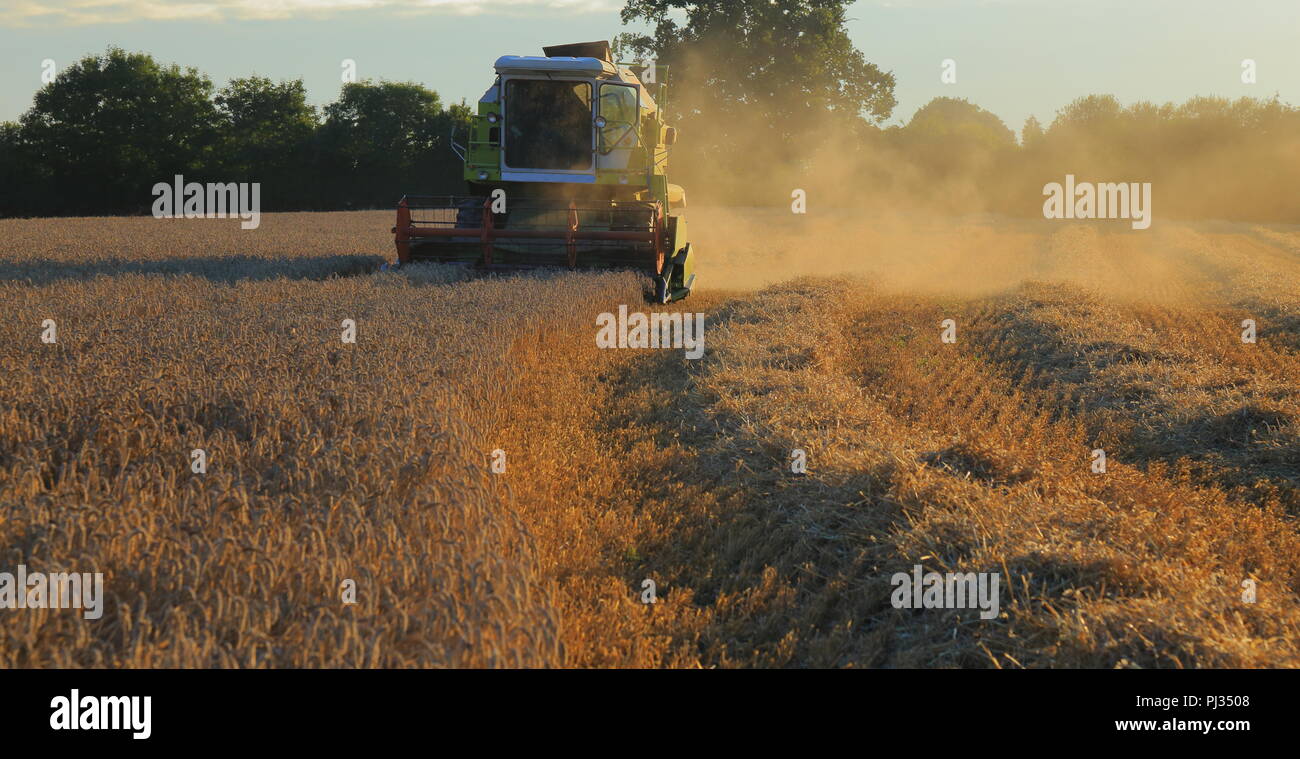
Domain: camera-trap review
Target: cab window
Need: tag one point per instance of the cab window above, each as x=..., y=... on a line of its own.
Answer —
x=618, y=108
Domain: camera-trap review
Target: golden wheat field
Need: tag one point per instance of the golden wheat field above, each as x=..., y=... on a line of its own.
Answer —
x=369, y=461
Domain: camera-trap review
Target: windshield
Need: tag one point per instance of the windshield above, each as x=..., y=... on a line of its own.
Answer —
x=548, y=124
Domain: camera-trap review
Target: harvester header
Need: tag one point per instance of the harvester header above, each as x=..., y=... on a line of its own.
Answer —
x=566, y=166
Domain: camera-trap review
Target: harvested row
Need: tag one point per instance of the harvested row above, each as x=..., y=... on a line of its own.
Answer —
x=1141, y=564
x=920, y=452
x=1157, y=384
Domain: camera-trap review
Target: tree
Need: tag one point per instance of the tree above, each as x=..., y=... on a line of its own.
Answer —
x=776, y=77
x=950, y=136
x=1093, y=114
x=111, y=126
x=267, y=137
x=22, y=190
x=945, y=118
x=789, y=57
x=383, y=139
x=1031, y=135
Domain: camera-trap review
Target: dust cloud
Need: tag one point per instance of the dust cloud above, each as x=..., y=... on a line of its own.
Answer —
x=983, y=254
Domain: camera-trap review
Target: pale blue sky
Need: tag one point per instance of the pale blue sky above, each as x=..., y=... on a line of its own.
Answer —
x=1014, y=57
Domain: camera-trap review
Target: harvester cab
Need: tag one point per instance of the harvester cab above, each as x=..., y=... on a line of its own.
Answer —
x=566, y=165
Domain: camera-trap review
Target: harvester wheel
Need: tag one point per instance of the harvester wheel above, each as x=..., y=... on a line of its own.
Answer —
x=662, y=293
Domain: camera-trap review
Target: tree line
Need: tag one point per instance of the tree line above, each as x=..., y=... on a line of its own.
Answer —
x=771, y=95
x=108, y=128
x=768, y=95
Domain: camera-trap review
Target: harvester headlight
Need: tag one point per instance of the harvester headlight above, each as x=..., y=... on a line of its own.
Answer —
x=493, y=118
x=482, y=175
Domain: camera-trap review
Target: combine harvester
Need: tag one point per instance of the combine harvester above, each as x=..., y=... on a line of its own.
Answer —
x=565, y=164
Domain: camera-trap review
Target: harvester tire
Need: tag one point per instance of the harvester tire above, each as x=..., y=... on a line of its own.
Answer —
x=662, y=293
